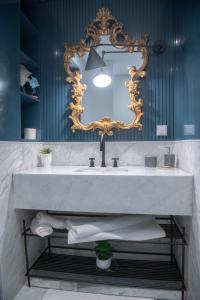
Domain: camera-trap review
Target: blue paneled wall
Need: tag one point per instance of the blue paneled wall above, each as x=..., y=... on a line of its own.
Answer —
x=170, y=90
x=10, y=124
x=64, y=21
x=187, y=78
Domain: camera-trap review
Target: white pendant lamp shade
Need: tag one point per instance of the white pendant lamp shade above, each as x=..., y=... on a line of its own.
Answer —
x=102, y=80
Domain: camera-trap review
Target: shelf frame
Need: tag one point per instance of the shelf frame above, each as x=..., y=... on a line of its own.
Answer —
x=174, y=236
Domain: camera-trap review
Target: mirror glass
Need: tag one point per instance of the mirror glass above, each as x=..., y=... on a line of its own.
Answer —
x=113, y=100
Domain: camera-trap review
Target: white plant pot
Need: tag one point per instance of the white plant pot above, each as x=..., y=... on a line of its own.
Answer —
x=46, y=160
x=103, y=264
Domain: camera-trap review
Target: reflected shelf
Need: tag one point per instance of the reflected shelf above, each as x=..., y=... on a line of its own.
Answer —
x=28, y=30
x=27, y=61
x=28, y=99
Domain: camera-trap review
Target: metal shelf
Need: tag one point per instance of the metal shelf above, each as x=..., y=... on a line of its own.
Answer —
x=27, y=99
x=123, y=272
x=173, y=234
x=160, y=273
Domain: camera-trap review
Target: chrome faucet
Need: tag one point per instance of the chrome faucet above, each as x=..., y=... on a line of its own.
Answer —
x=103, y=150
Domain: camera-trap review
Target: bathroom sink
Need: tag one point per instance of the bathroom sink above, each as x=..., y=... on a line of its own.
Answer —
x=101, y=170
x=126, y=189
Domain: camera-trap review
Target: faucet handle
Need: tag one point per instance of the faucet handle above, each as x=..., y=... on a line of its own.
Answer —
x=115, y=159
x=92, y=159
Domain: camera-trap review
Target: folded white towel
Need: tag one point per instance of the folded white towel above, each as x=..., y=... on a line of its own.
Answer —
x=40, y=229
x=145, y=230
x=94, y=225
x=55, y=222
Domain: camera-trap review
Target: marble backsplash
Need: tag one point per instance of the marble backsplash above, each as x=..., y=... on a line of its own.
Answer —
x=129, y=153
x=15, y=156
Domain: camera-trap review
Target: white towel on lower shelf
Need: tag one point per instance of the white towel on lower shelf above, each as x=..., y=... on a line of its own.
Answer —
x=55, y=222
x=40, y=229
x=94, y=225
x=144, y=230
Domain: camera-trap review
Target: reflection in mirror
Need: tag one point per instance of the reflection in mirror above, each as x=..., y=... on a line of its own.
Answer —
x=113, y=100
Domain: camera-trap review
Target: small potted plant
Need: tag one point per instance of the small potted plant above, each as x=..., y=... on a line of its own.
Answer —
x=46, y=157
x=104, y=253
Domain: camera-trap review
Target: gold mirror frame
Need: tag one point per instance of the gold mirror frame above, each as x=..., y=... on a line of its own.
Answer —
x=106, y=24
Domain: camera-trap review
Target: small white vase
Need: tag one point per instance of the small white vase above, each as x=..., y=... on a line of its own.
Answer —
x=46, y=159
x=103, y=264
x=30, y=133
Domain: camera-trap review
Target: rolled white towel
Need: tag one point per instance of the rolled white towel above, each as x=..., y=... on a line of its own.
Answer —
x=146, y=230
x=41, y=229
x=94, y=225
x=55, y=222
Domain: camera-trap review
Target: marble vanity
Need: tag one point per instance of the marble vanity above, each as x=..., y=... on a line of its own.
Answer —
x=128, y=190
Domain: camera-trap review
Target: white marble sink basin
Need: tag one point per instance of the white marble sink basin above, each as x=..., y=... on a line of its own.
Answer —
x=101, y=170
x=132, y=190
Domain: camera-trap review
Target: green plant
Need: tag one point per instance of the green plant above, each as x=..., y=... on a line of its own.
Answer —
x=46, y=151
x=103, y=250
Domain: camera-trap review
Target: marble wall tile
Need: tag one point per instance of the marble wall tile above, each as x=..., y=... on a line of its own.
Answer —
x=73, y=153
x=131, y=153
x=10, y=161
x=31, y=155
x=188, y=158
x=13, y=157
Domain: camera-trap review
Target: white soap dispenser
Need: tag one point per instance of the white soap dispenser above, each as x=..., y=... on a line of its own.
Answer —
x=169, y=159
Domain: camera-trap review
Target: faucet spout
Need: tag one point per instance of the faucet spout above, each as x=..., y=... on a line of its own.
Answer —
x=102, y=149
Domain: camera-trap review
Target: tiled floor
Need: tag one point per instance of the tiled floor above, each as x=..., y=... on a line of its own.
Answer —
x=41, y=288
x=63, y=295
x=34, y=293
x=106, y=289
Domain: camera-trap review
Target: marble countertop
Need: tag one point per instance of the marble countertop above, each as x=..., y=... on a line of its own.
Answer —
x=108, y=171
x=133, y=190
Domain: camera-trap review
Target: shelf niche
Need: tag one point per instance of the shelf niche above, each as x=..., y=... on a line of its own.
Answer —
x=30, y=106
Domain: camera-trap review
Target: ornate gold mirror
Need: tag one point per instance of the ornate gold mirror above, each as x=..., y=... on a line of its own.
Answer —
x=115, y=103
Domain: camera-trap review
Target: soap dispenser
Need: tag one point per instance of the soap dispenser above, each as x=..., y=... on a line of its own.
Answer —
x=169, y=159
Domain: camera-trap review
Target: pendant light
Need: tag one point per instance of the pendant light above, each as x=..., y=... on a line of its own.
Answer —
x=94, y=61
x=102, y=80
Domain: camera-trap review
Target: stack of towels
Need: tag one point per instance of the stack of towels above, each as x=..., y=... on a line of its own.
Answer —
x=43, y=224
x=89, y=229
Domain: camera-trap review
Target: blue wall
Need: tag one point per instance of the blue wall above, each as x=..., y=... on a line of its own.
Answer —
x=10, y=124
x=171, y=89
x=187, y=78
x=64, y=21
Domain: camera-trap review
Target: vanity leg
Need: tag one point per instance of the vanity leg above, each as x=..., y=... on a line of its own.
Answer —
x=49, y=245
x=26, y=253
x=171, y=239
x=183, y=265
